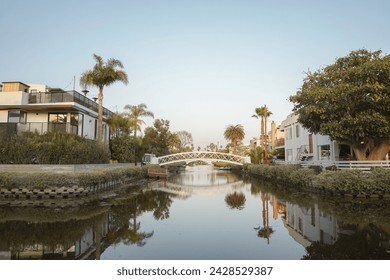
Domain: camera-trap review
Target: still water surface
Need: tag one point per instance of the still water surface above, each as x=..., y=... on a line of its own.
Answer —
x=201, y=213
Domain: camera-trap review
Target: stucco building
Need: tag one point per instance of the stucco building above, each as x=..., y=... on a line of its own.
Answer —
x=39, y=108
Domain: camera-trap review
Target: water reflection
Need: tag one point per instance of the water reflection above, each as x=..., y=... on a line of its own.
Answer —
x=200, y=214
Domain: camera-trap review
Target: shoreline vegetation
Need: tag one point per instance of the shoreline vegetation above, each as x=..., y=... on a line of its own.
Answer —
x=345, y=183
x=55, y=185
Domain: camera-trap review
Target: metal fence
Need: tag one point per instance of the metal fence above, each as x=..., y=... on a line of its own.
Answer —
x=66, y=96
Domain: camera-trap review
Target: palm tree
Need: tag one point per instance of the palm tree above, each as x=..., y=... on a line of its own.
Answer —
x=119, y=125
x=135, y=113
x=234, y=133
x=101, y=75
x=262, y=113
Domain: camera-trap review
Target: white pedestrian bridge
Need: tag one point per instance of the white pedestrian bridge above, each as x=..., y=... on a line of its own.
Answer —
x=207, y=157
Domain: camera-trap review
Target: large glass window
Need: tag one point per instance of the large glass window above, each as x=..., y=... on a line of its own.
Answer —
x=59, y=121
x=57, y=117
x=17, y=116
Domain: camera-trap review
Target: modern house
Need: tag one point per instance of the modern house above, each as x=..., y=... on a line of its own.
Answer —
x=38, y=108
x=301, y=145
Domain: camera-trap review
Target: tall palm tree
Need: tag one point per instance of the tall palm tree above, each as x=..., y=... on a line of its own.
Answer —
x=101, y=75
x=135, y=113
x=263, y=113
x=234, y=133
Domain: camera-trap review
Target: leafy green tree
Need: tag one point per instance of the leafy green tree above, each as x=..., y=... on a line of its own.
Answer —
x=124, y=148
x=101, y=75
x=350, y=101
x=234, y=133
x=156, y=138
x=174, y=143
x=136, y=112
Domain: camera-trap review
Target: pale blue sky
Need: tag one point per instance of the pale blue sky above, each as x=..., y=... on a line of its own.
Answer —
x=200, y=64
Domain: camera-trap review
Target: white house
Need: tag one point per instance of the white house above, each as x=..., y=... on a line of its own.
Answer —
x=301, y=145
x=38, y=108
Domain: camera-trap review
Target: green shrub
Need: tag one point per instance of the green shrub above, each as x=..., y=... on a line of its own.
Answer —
x=51, y=148
x=352, y=182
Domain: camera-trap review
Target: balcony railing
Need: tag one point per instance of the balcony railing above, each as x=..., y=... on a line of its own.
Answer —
x=38, y=127
x=66, y=96
x=279, y=142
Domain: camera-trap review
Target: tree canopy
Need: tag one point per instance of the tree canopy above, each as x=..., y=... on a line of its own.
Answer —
x=350, y=101
x=234, y=133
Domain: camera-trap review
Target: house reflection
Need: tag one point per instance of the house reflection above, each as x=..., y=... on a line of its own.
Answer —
x=307, y=225
x=81, y=238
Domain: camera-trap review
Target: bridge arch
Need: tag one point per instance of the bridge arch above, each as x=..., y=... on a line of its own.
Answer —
x=209, y=157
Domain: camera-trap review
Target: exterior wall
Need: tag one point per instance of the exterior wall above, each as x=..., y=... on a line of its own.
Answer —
x=38, y=88
x=3, y=116
x=37, y=116
x=89, y=127
x=14, y=86
x=14, y=98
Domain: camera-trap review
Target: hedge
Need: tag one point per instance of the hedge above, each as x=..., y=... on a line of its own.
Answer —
x=341, y=182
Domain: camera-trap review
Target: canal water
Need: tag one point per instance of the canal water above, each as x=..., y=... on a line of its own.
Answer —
x=199, y=214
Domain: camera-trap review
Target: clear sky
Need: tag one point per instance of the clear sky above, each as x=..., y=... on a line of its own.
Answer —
x=200, y=64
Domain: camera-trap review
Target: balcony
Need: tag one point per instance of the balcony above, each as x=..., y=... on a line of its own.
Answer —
x=38, y=127
x=279, y=142
x=66, y=96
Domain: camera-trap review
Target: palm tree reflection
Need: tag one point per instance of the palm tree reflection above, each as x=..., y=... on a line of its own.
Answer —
x=235, y=200
x=266, y=230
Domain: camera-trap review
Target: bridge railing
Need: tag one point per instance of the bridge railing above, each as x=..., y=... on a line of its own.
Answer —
x=209, y=156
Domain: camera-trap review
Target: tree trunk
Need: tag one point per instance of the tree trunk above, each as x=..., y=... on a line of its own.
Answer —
x=360, y=153
x=378, y=152
x=100, y=116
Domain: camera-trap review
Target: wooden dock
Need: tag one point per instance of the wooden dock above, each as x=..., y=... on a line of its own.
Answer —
x=157, y=172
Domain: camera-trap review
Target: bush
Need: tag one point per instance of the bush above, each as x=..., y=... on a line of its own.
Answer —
x=51, y=148
x=31, y=181
x=350, y=182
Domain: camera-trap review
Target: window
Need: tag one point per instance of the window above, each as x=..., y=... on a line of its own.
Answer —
x=324, y=152
x=289, y=133
x=57, y=117
x=300, y=225
x=297, y=130
x=17, y=117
